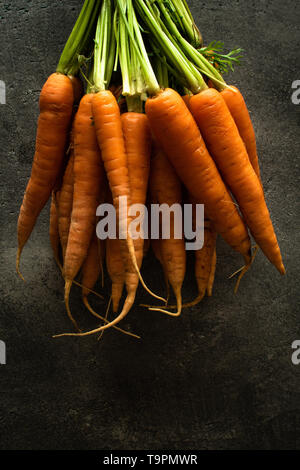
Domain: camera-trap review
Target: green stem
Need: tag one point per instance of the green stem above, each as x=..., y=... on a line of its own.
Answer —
x=123, y=57
x=137, y=48
x=79, y=38
x=193, y=54
x=192, y=32
x=192, y=76
x=102, y=37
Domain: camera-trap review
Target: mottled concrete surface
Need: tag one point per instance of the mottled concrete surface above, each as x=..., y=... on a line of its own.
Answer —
x=220, y=376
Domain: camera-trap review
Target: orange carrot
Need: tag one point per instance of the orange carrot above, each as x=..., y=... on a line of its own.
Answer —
x=116, y=271
x=111, y=140
x=156, y=248
x=229, y=152
x=137, y=138
x=56, y=105
x=239, y=111
x=88, y=179
x=91, y=267
x=165, y=188
x=180, y=138
x=65, y=203
x=204, y=271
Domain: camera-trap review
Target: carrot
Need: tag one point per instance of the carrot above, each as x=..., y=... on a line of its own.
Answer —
x=137, y=138
x=229, y=152
x=110, y=137
x=56, y=104
x=91, y=267
x=204, y=261
x=205, y=258
x=180, y=138
x=88, y=178
x=66, y=202
x=116, y=270
x=239, y=111
x=165, y=188
x=53, y=230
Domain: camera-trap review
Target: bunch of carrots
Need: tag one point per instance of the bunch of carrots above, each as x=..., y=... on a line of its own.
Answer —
x=138, y=107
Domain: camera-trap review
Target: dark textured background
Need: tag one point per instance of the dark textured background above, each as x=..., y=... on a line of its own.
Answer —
x=220, y=376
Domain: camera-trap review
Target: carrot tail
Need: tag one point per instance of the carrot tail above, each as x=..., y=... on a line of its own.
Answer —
x=127, y=306
x=168, y=290
x=101, y=263
x=244, y=269
x=18, y=263
x=179, y=305
x=212, y=274
x=194, y=302
x=92, y=311
x=131, y=250
x=68, y=285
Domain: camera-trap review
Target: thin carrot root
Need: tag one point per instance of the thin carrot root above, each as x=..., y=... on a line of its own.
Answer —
x=134, y=262
x=167, y=298
x=243, y=272
x=92, y=311
x=105, y=318
x=78, y=284
x=179, y=306
x=236, y=272
x=68, y=285
x=244, y=269
x=194, y=302
x=18, y=264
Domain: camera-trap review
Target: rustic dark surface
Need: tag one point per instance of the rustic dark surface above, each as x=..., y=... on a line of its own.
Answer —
x=220, y=376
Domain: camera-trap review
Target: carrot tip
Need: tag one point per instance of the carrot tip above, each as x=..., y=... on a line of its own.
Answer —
x=20, y=275
x=68, y=286
x=179, y=308
x=171, y=314
x=18, y=264
x=282, y=270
